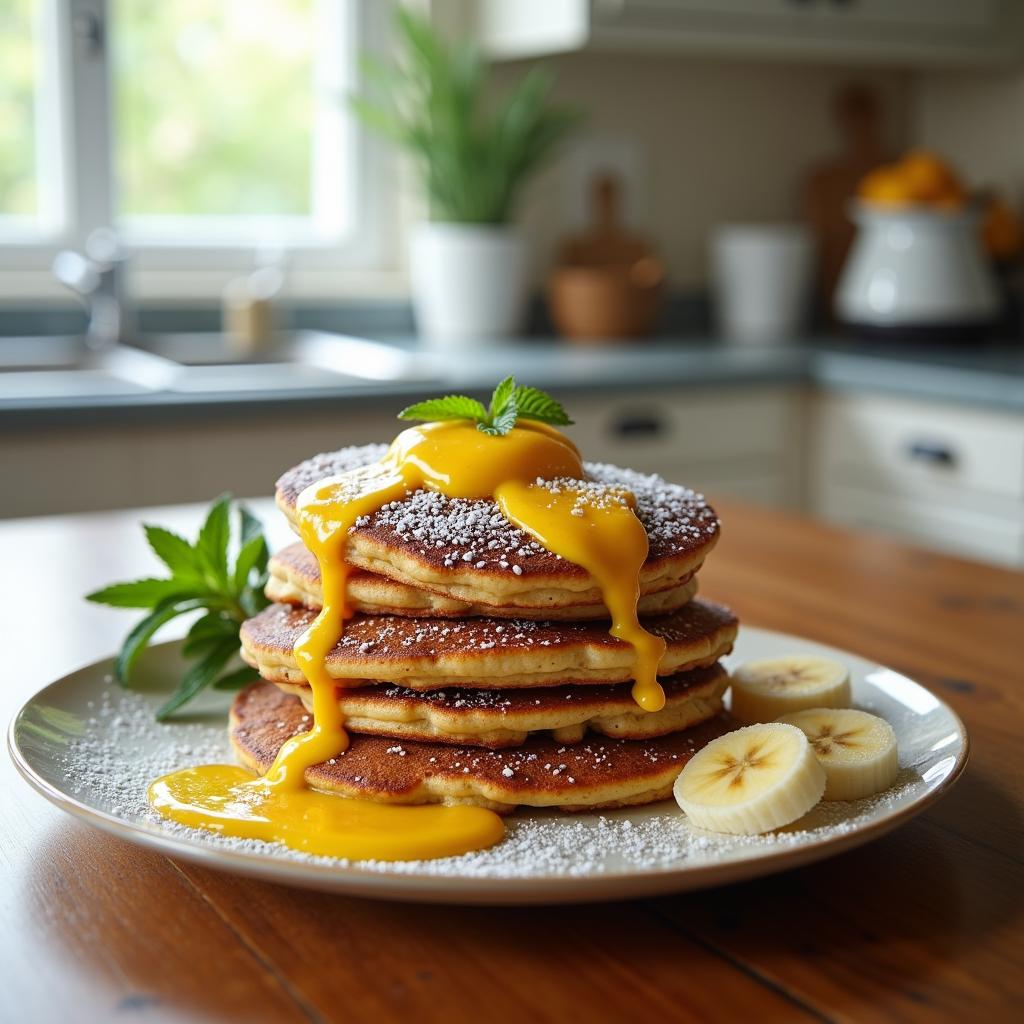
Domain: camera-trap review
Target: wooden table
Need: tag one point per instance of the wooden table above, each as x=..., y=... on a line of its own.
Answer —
x=924, y=924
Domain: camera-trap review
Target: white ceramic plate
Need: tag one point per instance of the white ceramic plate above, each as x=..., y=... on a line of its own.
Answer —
x=92, y=748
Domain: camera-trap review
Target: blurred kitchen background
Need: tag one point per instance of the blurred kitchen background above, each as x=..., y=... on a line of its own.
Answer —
x=768, y=248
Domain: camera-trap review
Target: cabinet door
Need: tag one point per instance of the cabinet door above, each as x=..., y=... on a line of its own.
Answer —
x=823, y=15
x=949, y=476
x=899, y=32
x=959, y=531
x=922, y=447
x=740, y=441
x=96, y=468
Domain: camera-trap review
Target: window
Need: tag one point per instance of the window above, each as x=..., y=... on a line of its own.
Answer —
x=201, y=131
x=30, y=185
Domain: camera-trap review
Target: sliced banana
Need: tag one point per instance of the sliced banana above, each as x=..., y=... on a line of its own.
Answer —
x=752, y=780
x=857, y=750
x=763, y=690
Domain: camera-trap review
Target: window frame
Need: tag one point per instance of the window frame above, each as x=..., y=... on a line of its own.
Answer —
x=75, y=109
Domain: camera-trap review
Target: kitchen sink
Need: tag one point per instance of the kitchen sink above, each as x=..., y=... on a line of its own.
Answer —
x=64, y=367
x=299, y=359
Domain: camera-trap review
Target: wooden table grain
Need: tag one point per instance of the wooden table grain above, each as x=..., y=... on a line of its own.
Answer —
x=926, y=924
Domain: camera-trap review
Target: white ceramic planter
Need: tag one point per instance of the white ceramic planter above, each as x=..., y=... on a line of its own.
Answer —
x=468, y=283
x=914, y=268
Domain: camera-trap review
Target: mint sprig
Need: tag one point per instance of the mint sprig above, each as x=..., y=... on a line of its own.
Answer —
x=203, y=578
x=509, y=402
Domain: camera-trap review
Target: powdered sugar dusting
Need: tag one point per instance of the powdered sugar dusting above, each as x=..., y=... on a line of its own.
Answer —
x=474, y=532
x=327, y=464
x=111, y=756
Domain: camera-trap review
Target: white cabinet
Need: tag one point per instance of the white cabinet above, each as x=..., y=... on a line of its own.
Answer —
x=898, y=32
x=192, y=457
x=739, y=441
x=949, y=476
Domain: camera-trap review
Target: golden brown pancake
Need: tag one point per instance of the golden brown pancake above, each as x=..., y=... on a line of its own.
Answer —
x=540, y=773
x=295, y=579
x=483, y=653
x=505, y=718
x=466, y=549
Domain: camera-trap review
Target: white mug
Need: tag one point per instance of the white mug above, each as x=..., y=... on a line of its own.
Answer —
x=761, y=278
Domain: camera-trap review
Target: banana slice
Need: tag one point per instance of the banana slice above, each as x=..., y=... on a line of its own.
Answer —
x=763, y=690
x=752, y=780
x=857, y=750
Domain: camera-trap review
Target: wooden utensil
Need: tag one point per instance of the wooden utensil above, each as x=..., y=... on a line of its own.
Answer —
x=608, y=284
x=832, y=184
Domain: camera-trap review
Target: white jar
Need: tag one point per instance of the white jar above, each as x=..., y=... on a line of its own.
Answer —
x=761, y=278
x=916, y=269
x=468, y=283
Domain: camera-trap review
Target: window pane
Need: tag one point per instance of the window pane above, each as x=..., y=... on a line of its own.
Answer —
x=214, y=106
x=20, y=52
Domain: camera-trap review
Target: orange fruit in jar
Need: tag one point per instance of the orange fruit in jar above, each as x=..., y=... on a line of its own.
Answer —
x=884, y=186
x=929, y=179
x=1001, y=230
x=951, y=200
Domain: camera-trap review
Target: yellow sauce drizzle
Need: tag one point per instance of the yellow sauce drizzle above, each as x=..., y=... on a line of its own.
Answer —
x=596, y=530
x=605, y=537
x=227, y=799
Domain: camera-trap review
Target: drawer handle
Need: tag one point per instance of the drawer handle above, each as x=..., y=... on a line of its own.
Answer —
x=639, y=425
x=933, y=454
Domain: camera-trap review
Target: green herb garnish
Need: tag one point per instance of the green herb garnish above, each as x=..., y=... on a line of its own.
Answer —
x=203, y=578
x=509, y=402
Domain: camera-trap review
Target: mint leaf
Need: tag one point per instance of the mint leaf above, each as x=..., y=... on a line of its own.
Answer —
x=199, y=676
x=147, y=593
x=237, y=679
x=535, y=404
x=174, y=551
x=207, y=631
x=203, y=578
x=252, y=600
x=503, y=394
x=135, y=642
x=251, y=526
x=509, y=402
x=451, y=407
x=212, y=544
x=253, y=555
x=503, y=422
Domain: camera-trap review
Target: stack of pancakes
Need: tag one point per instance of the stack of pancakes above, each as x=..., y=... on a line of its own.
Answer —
x=478, y=667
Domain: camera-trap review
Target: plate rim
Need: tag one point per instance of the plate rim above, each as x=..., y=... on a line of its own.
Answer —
x=424, y=886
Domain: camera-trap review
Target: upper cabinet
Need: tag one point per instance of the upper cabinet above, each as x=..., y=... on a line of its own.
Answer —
x=937, y=33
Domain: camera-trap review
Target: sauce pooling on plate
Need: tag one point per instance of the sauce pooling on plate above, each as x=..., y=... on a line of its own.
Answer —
x=536, y=476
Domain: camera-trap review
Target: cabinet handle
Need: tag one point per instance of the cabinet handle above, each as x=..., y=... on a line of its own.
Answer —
x=639, y=425
x=933, y=453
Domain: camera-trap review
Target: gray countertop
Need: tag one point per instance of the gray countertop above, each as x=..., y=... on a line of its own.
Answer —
x=990, y=376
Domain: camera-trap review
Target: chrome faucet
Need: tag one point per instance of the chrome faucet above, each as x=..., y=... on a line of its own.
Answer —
x=98, y=278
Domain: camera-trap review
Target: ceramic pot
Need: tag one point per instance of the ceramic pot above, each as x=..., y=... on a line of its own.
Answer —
x=468, y=283
x=605, y=304
x=916, y=270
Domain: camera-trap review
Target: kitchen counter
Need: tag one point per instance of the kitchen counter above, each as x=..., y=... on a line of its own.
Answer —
x=991, y=376
x=924, y=924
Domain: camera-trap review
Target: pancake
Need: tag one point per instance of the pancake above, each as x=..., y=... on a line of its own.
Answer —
x=483, y=653
x=506, y=718
x=465, y=548
x=295, y=579
x=541, y=773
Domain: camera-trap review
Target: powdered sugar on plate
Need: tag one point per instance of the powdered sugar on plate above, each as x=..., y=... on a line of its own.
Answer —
x=109, y=756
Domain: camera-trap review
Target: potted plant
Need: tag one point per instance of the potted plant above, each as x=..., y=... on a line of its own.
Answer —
x=468, y=263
